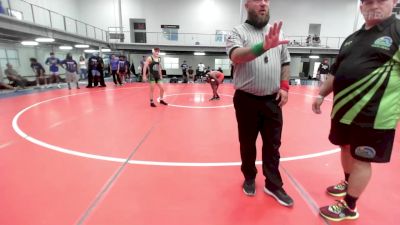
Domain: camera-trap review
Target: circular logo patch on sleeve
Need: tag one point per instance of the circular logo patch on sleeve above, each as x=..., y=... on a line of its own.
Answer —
x=365, y=152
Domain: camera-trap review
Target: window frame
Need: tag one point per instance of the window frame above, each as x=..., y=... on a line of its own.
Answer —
x=224, y=64
x=167, y=64
x=8, y=59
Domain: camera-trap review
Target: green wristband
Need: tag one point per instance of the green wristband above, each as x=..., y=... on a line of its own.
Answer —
x=258, y=49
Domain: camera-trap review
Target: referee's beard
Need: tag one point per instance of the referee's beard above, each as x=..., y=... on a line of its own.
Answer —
x=258, y=21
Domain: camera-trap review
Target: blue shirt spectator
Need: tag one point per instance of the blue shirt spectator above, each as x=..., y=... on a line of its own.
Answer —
x=53, y=62
x=2, y=11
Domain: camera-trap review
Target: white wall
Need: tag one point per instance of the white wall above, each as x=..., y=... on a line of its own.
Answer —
x=64, y=7
x=205, y=16
x=101, y=13
x=336, y=17
x=193, y=16
x=360, y=20
x=39, y=13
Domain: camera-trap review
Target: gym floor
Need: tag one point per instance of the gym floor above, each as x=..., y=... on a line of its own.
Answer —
x=103, y=156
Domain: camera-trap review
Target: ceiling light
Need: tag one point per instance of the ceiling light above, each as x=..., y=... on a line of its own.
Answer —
x=65, y=47
x=29, y=43
x=81, y=46
x=199, y=53
x=90, y=50
x=313, y=56
x=162, y=53
x=44, y=39
x=105, y=50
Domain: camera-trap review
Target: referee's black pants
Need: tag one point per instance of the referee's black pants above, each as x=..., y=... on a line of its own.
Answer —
x=259, y=114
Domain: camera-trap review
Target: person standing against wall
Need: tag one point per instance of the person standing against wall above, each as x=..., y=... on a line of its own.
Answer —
x=53, y=63
x=200, y=70
x=122, y=69
x=323, y=71
x=82, y=68
x=114, y=62
x=39, y=72
x=96, y=69
x=71, y=68
x=184, y=67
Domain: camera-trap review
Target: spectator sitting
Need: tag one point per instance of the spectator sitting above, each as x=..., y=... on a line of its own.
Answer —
x=296, y=43
x=4, y=85
x=316, y=40
x=308, y=40
x=13, y=76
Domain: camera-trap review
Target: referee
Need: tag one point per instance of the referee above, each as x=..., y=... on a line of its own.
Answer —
x=261, y=61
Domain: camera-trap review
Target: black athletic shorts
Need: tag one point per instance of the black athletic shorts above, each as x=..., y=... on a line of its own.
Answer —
x=366, y=144
x=155, y=78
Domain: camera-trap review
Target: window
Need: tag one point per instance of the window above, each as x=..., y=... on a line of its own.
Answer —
x=170, y=32
x=171, y=63
x=221, y=35
x=139, y=26
x=225, y=64
x=8, y=56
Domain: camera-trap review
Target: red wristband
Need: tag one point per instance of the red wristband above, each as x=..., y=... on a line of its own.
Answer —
x=285, y=85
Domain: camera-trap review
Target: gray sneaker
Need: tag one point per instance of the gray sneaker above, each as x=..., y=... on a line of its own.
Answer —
x=249, y=187
x=281, y=196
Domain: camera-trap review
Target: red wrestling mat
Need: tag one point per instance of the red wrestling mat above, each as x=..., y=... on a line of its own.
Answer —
x=104, y=156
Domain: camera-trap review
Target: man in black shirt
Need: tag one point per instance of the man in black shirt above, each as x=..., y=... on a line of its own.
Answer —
x=39, y=71
x=323, y=70
x=190, y=75
x=184, y=68
x=132, y=69
x=366, y=109
x=95, y=71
